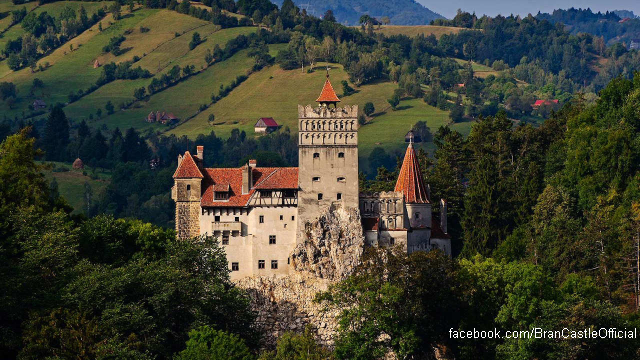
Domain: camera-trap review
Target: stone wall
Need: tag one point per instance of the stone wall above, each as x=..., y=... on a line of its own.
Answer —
x=333, y=247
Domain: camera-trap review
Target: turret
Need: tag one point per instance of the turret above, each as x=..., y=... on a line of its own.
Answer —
x=416, y=196
x=186, y=192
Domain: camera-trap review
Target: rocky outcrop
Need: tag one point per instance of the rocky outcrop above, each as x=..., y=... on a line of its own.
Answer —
x=332, y=248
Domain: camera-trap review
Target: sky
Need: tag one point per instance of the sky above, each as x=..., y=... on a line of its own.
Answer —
x=523, y=7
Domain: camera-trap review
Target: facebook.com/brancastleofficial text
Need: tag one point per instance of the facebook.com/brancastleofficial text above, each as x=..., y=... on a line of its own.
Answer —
x=539, y=333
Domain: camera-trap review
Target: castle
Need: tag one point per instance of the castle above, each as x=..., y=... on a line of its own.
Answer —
x=259, y=214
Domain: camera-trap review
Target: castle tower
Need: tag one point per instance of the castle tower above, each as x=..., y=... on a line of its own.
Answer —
x=416, y=197
x=328, y=156
x=186, y=192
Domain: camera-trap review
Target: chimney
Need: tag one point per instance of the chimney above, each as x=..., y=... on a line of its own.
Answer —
x=253, y=163
x=443, y=215
x=247, y=177
x=200, y=154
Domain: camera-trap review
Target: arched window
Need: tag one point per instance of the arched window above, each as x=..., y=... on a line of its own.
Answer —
x=316, y=155
x=341, y=155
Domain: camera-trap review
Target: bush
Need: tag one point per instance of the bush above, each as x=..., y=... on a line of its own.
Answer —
x=210, y=344
x=369, y=109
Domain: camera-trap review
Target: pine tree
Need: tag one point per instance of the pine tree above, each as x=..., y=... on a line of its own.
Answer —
x=56, y=135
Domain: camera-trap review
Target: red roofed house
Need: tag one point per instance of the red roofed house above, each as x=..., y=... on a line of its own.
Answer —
x=259, y=214
x=161, y=117
x=539, y=103
x=266, y=125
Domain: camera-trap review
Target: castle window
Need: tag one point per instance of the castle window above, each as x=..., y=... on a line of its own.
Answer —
x=417, y=215
x=221, y=195
x=341, y=155
x=274, y=264
x=316, y=178
x=235, y=266
x=216, y=218
x=293, y=217
x=316, y=155
x=225, y=239
x=272, y=239
x=237, y=219
x=339, y=196
x=341, y=179
x=320, y=196
x=260, y=264
x=392, y=241
x=261, y=219
x=281, y=217
x=188, y=187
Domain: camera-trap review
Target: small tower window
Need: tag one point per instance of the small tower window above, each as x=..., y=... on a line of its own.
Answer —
x=261, y=219
x=188, y=187
x=225, y=239
x=316, y=155
x=341, y=155
x=274, y=264
x=260, y=264
x=272, y=239
x=316, y=178
x=320, y=196
x=237, y=219
x=235, y=266
x=339, y=196
x=341, y=179
x=216, y=218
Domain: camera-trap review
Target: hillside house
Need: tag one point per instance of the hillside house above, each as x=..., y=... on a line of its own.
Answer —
x=161, y=117
x=540, y=103
x=265, y=125
x=39, y=105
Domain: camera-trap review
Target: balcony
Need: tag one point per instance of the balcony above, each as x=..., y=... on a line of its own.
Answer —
x=226, y=226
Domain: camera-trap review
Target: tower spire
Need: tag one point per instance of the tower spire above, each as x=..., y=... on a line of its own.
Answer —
x=410, y=180
x=328, y=95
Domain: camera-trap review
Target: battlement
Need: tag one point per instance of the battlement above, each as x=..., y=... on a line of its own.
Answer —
x=381, y=195
x=325, y=112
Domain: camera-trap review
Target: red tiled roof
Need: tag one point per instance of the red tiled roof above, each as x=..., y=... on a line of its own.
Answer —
x=188, y=168
x=436, y=230
x=280, y=178
x=327, y=94
x=268, y=122
x=370, y=224
x=545, y=102
x=410, y=180
x=221, y=187
x=264, y=178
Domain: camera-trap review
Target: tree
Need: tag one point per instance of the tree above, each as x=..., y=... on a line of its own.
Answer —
x=394, y=101
x=369, y=109
x=8, y=90
x=292, y=346
x=389, y=305
x=328, y=16
x=140, y=93
x=457, y=112
x=211, y=344
x=195, y=40
x=56, y=135
x=386, y=20
x=346, y=89
x=109, y=107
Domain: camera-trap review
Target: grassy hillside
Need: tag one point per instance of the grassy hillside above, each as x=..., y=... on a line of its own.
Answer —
x=416, y=30
x=71, y=182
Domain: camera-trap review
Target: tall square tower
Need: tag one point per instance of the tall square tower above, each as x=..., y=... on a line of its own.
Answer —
x=328, y=156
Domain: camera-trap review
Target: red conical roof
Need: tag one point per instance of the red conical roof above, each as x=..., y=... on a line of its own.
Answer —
x=327, y=94
x=187, y=168
x=410, y=180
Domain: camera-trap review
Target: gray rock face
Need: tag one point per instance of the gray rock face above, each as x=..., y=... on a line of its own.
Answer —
x=332, y=248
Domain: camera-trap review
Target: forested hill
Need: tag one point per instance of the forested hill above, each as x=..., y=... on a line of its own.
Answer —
x=399, y=12
x=620, y=26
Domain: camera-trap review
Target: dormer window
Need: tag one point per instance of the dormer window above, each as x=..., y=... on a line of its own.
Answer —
x=221, y=195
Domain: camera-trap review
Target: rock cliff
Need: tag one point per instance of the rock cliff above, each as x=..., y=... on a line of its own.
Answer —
x=330, y=248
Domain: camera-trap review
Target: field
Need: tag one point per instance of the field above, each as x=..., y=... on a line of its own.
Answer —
x=416, y=30
x=479, y=70
x=71, y=183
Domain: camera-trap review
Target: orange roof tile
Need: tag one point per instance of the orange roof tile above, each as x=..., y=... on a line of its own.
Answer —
x=410, y=180
x=188, y=168
x=264, y=178
x=327, y=94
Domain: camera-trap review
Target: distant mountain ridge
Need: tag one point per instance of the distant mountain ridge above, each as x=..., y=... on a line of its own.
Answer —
x=400, y=12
